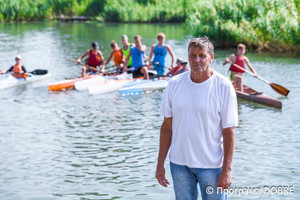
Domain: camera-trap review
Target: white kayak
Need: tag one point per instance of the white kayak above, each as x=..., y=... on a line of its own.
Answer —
x=151, y=85
x=85, y=84
x=10, y=81
x=108, y=86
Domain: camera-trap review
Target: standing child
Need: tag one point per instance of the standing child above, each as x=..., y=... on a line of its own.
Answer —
x=160, y=51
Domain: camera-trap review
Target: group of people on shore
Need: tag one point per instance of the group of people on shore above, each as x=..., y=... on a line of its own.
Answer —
x=131, y=58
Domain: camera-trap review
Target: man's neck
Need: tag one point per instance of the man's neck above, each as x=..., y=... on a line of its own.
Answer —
x=199, y=77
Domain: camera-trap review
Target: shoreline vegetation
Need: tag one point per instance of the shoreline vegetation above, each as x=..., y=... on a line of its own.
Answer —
x=270, y=25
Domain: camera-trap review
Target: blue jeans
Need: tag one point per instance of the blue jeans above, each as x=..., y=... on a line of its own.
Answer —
x=185, y=182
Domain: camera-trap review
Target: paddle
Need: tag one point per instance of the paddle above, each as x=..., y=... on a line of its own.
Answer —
x=34, y=72
x=93, y=68
x=278, y=88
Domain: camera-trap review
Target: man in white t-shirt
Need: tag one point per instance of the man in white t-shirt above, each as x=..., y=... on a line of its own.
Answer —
x=200, y=113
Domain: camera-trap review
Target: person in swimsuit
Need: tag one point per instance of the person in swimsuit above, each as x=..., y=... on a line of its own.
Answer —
x=125, y=51
x=238, y=59
x=160, y=51
x=95, y=59
x=173, y=70
x=137, y=53
x=117, y=55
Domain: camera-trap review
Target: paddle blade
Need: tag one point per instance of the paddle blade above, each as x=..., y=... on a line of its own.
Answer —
x=280, y=89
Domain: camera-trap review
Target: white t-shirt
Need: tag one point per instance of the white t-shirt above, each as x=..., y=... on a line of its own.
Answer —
x=200, y=111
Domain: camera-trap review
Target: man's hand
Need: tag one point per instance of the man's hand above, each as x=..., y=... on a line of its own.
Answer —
x=78, y=60
x=227, y=60
x=160, y=176
x=147, y=63
x=225, y=179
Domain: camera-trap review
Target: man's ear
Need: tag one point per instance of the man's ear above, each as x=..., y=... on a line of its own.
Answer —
x=212, y=57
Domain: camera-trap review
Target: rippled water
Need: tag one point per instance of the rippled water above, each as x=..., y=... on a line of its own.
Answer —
x=72, y=145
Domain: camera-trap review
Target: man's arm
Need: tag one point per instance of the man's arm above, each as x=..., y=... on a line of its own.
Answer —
x=164, y=145
x=151, y=54
x=127, y=60
x=110, y=56
x=230, y=59
x=102, y=60
x=228, y=144
x=142, y=48
x=83, y=55
x=249, y=65
x=168, y=48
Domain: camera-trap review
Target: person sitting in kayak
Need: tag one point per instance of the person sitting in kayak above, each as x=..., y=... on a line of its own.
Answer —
x=160, y=51
x=238, y=59
x=125, y=51
x=18, y=70
x=95, y=58
x=117, y=56
x=183, y=68
x=173, y=70
x=137, y=53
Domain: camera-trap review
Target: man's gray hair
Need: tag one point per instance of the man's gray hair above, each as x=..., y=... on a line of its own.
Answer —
x=203, y=43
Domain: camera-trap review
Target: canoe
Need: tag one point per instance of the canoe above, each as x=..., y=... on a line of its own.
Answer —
x=85, y=84
x=142, y=87
x=9, y=81
x=108, y=86
x=65, y=84
x=258, y=97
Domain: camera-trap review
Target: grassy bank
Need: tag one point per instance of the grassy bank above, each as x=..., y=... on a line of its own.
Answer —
x=271, y=25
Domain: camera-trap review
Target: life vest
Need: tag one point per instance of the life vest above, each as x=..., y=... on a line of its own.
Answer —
x=18, y=72
x=240, y=62
x=118, y=59
x=93, y=59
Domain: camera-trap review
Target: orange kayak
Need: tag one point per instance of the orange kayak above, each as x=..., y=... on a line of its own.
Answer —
x=66, y=84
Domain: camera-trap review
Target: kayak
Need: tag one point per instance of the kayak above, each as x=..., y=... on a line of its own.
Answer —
x=258, y=97
x=84, y=84
x=108, y=86
x=36, y=75
x=151, y=85
x=65, y=84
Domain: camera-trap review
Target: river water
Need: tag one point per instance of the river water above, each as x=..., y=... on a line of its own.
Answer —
x=72, y=145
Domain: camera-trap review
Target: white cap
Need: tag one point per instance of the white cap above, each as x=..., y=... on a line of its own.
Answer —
x=19, y=57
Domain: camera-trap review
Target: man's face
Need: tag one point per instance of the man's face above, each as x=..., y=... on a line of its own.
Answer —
x=241, y=51
x=161, y=40
x=137, y=41
x=199, y=59
x=124, y=41
x=114, y=48
x=18, y=61
x=93, y=49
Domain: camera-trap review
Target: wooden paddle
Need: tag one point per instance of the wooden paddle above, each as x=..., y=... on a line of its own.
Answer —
x=93, y=68
x=278, y=88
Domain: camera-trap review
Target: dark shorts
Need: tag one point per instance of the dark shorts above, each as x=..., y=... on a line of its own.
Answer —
x=128, y=69
x=137, y=73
